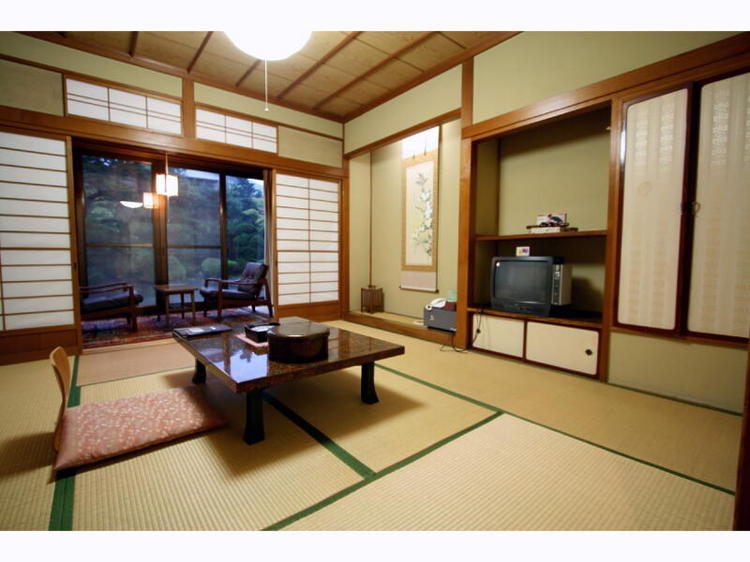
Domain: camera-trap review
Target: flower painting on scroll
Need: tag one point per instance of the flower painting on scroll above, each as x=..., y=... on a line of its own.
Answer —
x=419, y=214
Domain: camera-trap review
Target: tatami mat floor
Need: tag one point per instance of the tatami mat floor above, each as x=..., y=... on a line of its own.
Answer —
x=458, y=441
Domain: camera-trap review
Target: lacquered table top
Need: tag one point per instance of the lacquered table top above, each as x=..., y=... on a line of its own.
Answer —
x=244, y=367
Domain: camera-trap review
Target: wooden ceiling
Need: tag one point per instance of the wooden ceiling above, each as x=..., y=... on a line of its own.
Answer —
x=338, y=74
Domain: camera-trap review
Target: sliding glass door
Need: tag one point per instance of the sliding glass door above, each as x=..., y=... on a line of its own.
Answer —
x=213, y=226
x=118, y=230
x=194, y=227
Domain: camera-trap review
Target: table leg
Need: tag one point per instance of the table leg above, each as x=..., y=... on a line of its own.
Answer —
x=254, y=417
x=182, y=305
x=192, y=304
x=166, y=308
x=369, y=396
x=200, y=373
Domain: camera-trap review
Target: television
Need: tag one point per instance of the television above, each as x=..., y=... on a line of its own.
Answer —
x=534, y=285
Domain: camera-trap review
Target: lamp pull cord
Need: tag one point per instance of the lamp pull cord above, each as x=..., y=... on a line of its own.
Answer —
x=265, y=80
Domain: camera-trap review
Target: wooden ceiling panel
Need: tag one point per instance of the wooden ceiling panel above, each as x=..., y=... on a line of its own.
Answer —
x=465, y=38
x=256, y=83
x=356, y=58
x=321, y=43
x=219, y=45
x=291, y=68
x=431, y=52
x=306, y=95
x=329, y=78
x=388, y=41
x=394, y=74
x=334, y=75
x=219, y=68
x=340, y=106
x=162, y=48
x=119, y=40
x=364, y=92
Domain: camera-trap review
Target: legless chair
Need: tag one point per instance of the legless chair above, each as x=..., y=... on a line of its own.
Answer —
x=93, y=432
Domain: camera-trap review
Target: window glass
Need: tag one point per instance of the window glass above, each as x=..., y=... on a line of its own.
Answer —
x=190, y=266
x=119, y=230
x=113, y=189
x=134, y=265
x=246, y=223
x=193, y=215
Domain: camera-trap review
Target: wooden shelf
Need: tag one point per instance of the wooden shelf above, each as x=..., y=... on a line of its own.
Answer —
x=576, y=234
x=578, y=319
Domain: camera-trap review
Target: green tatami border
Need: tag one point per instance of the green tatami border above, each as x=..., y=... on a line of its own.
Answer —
x=603, y=447
x=342, y=454
x=61, y=513
x=376, y=476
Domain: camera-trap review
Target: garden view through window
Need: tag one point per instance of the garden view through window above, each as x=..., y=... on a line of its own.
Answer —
x=122, y=241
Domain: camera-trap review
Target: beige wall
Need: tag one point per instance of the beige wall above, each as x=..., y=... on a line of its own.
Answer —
x=707, y=374
x=386, y=220
x=31, y=88
x=250, y=106
x=560, y=167
x=533, y=66
x=44, y=52
x=309, y=147
x=359, y=228
x=430, y=99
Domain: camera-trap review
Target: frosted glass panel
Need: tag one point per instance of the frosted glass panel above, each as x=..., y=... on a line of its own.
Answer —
x=651, y=213
x=720, y=276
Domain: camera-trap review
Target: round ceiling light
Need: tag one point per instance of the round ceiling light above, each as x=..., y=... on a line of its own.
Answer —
x=269, y=44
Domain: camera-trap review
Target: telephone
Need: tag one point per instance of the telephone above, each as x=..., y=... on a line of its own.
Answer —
x=437, y=303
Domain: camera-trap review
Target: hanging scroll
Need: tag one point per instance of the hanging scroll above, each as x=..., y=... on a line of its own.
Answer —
x=420, y=211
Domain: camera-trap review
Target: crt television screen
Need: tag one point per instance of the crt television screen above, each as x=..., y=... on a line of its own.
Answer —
x=522, y=281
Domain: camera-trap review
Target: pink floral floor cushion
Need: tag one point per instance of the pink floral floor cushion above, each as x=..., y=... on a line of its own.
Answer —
x=92, y=432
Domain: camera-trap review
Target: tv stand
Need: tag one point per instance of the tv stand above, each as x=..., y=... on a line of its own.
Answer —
x=569, y=343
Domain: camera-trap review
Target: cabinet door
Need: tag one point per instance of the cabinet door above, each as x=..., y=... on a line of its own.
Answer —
x=575, y=349
x=651, y=210
x=720, y=276
x=501, y=335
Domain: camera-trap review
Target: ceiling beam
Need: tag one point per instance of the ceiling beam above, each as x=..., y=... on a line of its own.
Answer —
x=199, y=52
x=390, y=58
x=324, y=59
x=490, y=40
x=134, y=36
x=121, y=55
x=248, y=73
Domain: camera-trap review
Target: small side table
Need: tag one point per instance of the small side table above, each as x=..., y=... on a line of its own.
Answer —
x=164, y=292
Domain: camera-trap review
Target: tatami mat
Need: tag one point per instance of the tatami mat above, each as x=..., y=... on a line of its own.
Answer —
x=514, y=475
x=132, y=361
x=700, y=442
x=409, y=417
x=29, y=404
x=212, y=481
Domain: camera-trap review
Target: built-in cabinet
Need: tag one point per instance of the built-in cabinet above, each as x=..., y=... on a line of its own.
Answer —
x=685, y=242
x=557, y=167
x=657, y=182
x=544, y=341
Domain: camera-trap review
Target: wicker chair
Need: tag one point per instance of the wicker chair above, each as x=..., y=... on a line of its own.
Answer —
x=250, y=290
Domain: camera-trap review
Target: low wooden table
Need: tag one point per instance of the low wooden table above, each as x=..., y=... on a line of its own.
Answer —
x=246, y=368
x=163, y=292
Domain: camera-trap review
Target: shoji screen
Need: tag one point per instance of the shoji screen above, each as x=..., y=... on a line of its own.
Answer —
x=651, y=210
x=307, y=239
x=720, y=278
x=35, y=240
